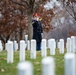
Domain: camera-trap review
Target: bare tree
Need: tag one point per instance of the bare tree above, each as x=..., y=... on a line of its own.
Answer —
x=70, y=6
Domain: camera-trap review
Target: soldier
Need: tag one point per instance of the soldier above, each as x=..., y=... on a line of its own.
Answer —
x=37, y=30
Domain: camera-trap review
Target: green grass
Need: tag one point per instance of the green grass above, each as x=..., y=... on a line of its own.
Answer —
x=11, y=69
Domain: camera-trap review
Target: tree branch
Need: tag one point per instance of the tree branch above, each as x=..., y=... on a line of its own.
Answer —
x=18, y=3
x=67, y=9
x=33, y=1
x=73, y=10
x=36, y=7
x=3, y=38
x=39, y=3
x=1, y=1
x=25, y=2
x=69, y=12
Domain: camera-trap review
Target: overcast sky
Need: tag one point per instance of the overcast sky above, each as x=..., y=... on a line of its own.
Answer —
x=51, y=4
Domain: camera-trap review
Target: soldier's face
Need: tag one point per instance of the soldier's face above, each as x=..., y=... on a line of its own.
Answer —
x=36, y=18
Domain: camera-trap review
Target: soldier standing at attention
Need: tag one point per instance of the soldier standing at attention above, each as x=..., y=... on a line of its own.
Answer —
x=37, y=31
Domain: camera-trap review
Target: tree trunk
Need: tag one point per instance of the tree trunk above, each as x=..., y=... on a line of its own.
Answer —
x=20, y=33
x=4, y=40
x=30, y=28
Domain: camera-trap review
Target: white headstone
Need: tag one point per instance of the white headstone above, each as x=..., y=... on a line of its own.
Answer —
x=28, y=45
x=33, y=49
x=48, y=45
x=5, y=46
x=25, y=68
x=10, y=53
x=75, y=43
x=69, y=64
x=22, y=50
x=72, y=44
x=48, y=66
x=1, y=47
x=15, y=45
x=58, y=44
x=61, y=45
x=26, y=38
x=43, y=50
x=68, y=45
x=52, y=46
x=9, y=41
x=75, y=64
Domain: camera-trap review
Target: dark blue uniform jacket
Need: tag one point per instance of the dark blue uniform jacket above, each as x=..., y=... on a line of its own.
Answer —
x=37, y=30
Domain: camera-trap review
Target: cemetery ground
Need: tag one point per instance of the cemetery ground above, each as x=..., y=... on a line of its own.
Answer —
x=11, y=69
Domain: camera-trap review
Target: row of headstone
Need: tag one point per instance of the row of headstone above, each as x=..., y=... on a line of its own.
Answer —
x=51, y=43
x=71, y=44
x=48, y=66
x=22, y=57
x=10, y=51
x=15, y=45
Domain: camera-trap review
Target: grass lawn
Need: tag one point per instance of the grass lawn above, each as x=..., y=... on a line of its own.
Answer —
x=11, y=69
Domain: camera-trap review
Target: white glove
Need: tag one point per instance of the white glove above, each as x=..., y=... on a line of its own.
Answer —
x=37, y=18
x=42, y=35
